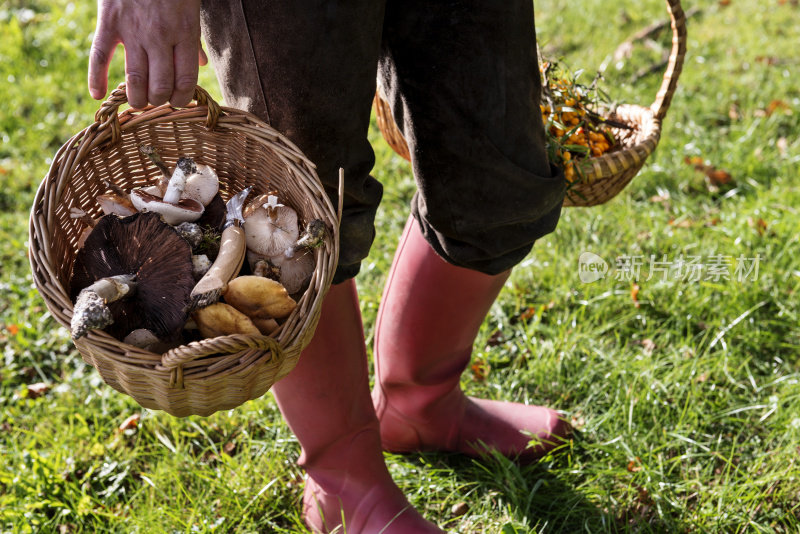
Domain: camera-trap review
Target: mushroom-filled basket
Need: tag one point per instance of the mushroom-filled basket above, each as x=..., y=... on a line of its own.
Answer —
x=636, y=134
x=85, y=245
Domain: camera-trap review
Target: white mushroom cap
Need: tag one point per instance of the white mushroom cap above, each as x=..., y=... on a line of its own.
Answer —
x=202, y=185
x=186, y=210
x=271, y=228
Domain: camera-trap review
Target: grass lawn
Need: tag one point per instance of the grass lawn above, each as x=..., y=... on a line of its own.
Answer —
x=685, y=392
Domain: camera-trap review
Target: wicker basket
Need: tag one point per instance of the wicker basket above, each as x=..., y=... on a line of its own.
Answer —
x=607, y=175
x=213, y=374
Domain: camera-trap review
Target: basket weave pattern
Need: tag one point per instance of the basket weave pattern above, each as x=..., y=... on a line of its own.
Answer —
x=607, y=175
x=213, y=374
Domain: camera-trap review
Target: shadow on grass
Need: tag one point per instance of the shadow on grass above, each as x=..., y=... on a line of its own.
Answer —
x=544, y=496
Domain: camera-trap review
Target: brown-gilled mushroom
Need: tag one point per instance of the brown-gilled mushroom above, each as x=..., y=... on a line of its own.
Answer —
x=144, y=269
x=271, y=228
x=171, y=206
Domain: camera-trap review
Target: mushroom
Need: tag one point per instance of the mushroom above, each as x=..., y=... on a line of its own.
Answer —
x=142, y=338
x=220, y=319
x=147, y=340
x=202, y=186
x=116, y=204
x=229, y=260
x=296, y=269
x=261, y=266
x=186, y=210
x=265, y=326
x=154, y=156
x=171, y=206
x=146, y=256
x=314, y=235
x=271, y=228
x=200, y=266
x=177, y=183
x=191, y=232
x=85, y=218
x=214, y=215
x=259, y=297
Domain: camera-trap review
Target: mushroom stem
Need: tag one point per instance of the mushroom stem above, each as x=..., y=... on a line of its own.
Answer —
x=226, y=266
x=115, y=188
x=313, y=236
x=177, y=183
x=267, y=270
x=152, y=153
x=82, y=216
x=91, y=310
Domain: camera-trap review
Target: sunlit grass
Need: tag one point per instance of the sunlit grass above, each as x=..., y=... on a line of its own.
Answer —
x=686, y=406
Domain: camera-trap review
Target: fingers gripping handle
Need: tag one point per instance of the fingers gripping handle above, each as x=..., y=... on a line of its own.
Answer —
x=108, y=114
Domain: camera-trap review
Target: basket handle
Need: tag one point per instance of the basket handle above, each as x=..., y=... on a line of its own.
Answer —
x=108, y=117
x=175, y=359
x=224, y=344
x=675, y=63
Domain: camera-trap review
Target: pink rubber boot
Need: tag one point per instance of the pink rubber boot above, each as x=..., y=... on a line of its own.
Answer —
x=428, y=319
x=325, y=401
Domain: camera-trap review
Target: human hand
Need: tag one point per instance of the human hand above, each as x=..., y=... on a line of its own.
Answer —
x=162, y=49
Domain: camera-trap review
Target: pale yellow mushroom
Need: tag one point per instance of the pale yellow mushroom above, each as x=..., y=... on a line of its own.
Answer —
x=220, y=319
x=259, y=297
x=265, y=326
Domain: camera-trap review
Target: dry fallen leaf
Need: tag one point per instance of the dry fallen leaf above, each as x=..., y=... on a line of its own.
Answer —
x=695, y=161
x=759, y=224
x=635, y=294
x=37, y=390
x=634, y=465
x=734, y=113
x=459, y=509
x=783, y=146
x=777, y=105
x=718, y=176
x=649, y=346
x=495, y=339
x=577, y=421
x=682, y=223
x=480, y=370
x=229, y=448
x=130, y=422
